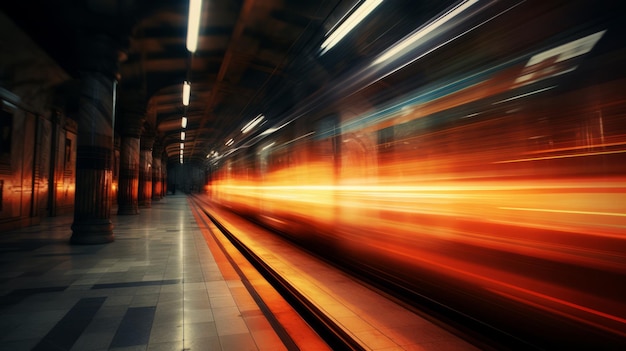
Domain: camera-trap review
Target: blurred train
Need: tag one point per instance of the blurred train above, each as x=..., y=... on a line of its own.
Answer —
x=478, y=159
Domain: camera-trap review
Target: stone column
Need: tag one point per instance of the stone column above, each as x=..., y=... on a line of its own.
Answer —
x=130, y=120
x=145, y=171
x=157, y=177
x=94, y=156
x=164, y=177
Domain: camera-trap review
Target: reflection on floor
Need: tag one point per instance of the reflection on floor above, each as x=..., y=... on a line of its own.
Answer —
x=156, y=287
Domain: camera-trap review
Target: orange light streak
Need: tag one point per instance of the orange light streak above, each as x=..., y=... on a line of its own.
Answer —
x=576, y=148
x=564, y=156
x=565, y=211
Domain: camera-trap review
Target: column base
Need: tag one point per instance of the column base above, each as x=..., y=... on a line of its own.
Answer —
x=92, y=232
x=127, y=210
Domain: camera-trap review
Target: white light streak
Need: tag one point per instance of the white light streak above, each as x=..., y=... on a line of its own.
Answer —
x=524, y=95
x=268, y=146
x=352, y=21
x=250, y=125
x=406, y=44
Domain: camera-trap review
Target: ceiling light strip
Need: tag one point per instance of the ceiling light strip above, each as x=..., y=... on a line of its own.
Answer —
x=186, y=93
x=193, y=27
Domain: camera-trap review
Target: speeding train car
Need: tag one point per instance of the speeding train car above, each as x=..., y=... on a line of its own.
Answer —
x=477, y=160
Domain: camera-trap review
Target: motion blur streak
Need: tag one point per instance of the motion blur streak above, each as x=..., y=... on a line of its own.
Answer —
x=565, y=156
x=489, y=175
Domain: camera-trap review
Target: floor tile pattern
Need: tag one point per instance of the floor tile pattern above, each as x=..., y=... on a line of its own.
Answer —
x=156, y=287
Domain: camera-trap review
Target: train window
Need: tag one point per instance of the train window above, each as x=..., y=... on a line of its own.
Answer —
x=386, y=140
x=326, y=146
x=278, y=154
x=612, y=121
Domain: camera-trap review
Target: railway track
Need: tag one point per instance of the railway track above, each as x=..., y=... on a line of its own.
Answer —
x=335, y=333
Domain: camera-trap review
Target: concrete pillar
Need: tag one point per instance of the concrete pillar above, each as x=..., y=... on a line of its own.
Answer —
x=92, y=204
x=157, y=176
x=145, y=170
x=164, y=177
x=130, y=119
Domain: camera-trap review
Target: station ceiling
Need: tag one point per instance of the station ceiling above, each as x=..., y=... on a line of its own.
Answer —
x=246, y=51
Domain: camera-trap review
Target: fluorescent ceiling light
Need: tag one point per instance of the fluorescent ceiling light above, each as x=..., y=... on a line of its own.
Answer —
x=193, y=27
x=182, y=135
x=364, y=9
x=182, y=146
x=407, y=44
x=183, y=122
x=253, y=123
x=186, y=93
x=230, y=142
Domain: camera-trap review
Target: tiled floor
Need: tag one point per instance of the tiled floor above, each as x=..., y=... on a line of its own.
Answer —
x=156, y=287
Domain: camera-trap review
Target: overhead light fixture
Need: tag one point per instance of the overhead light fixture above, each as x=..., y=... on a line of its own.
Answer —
x=182, y=146
x=182, y=135
x=253, y=123
x=336, y=34
x=405, y=45
x=183, y=122
x=193, y=24
x=186, y=93
x=230, y=142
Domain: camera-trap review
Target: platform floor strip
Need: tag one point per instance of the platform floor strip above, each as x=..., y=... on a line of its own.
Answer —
x=376, y=322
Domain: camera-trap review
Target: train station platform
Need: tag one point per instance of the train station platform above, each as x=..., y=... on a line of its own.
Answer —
x=166, y=283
